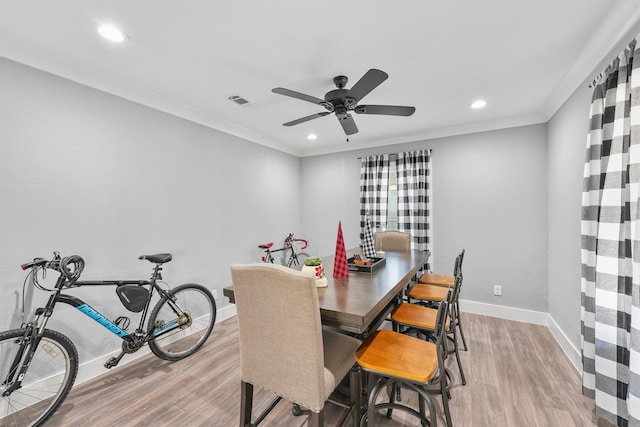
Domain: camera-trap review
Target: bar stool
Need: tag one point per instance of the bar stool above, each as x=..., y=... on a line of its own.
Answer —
x=419, y=317
x=396, y=359
x=426, y=290
x=442, y=279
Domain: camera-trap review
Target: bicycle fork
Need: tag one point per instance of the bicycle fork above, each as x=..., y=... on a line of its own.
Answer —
x=14, y=378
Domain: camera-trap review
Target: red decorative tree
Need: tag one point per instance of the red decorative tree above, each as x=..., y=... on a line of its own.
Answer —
x=340, y=264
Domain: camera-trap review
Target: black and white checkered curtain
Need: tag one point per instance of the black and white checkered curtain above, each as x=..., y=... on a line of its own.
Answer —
x=374, y=183
x=611, y=244
x=414, y=198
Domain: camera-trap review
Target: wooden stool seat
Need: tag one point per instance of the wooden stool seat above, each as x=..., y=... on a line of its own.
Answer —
x=437, y=279
x=396, y=355
x=428, y=292
x=414, y=315
x=395, y=359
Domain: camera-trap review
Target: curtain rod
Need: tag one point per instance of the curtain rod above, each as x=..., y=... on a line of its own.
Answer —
x=395, y=154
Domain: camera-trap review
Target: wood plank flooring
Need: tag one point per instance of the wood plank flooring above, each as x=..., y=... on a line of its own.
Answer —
x=517, y=375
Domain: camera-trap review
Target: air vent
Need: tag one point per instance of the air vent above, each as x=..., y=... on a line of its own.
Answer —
x=238, y=99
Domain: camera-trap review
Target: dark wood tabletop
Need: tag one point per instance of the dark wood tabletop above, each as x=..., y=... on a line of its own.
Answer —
x=355, y=303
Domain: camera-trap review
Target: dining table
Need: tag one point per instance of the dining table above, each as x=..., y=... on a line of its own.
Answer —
x=357, y=304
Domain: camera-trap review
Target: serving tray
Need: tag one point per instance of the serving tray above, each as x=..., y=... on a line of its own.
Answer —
x=376, y=263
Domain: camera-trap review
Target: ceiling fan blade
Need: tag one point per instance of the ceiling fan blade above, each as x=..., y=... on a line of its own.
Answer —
x=298, y=95
x=348, y=124
x=306, y=119
x=388, y=110
x=367, y=83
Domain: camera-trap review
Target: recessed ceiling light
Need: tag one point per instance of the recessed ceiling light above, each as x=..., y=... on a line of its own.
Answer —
x=480, y=103
x=312, y=137
x=112, y=33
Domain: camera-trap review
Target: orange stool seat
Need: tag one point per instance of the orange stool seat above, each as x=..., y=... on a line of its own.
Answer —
x=400, y=356
x=414, y=315
x=398, y=359
x=428, y=292
x=437, y=279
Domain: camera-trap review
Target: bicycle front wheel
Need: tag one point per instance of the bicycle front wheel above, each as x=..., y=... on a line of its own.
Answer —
x=298, y=260
x=46, y=383
x=183, y=322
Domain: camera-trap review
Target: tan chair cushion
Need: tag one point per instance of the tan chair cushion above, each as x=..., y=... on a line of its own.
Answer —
x=282, y=342
x=339, y=357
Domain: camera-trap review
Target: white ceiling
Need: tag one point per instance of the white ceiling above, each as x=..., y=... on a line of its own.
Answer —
x=186, y=57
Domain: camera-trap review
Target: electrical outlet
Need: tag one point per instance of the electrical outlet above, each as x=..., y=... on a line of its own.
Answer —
x=497, y=290
x=215, y=293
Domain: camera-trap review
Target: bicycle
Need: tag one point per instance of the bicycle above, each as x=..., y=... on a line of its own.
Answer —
x=38, y=366
x=295, y=258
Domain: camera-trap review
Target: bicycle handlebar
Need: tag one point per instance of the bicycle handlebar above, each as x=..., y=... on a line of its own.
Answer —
x=37, y=262
x=71, y=267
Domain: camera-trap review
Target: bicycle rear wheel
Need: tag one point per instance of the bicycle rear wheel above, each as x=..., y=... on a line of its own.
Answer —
x=46, y=383
x=182, y=323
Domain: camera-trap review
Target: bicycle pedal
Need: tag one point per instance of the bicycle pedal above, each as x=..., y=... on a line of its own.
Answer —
x=111, y=363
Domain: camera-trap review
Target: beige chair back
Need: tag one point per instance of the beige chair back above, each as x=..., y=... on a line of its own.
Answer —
x=392, y=241
x=281, y=346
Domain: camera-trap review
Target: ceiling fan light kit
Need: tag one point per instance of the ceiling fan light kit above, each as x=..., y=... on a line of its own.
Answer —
x=342, y=101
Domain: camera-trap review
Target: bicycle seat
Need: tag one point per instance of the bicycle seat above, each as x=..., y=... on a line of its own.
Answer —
x=265, y=245
x=157, y=258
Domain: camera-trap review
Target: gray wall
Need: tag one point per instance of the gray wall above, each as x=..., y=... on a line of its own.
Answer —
x=567, y=141
x=489, y=196
x=83, y=172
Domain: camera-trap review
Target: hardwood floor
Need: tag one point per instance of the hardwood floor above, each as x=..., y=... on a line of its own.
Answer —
x=517, y=375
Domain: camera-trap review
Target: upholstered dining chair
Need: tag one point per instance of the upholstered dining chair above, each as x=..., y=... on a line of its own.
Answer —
x=283, y=346
x=392, y=241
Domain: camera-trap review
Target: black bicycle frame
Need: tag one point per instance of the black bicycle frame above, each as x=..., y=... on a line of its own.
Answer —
x=108, y=324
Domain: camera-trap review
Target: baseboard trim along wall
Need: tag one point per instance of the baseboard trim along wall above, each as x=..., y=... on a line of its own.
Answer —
x=527, y=316
x=93, y=368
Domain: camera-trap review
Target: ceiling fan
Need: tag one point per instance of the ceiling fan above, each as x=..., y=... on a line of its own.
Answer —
x=341, y=101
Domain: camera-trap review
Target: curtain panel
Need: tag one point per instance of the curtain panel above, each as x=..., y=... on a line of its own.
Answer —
x=374, y=184
x=414, y=198
x=610, y=247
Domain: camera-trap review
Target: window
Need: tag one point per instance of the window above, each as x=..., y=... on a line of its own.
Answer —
x=392, y=208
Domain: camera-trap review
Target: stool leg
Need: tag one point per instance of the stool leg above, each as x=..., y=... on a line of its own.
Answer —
x=455, y=349
x=445, y=398
x=393, y=390
x=459, y=324
x=371, y=408
x=423, y=396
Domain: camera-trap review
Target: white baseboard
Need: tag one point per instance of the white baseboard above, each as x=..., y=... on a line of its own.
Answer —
x=226, y=312
x=570, y=350
x=527, y=316
x=93, y=368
